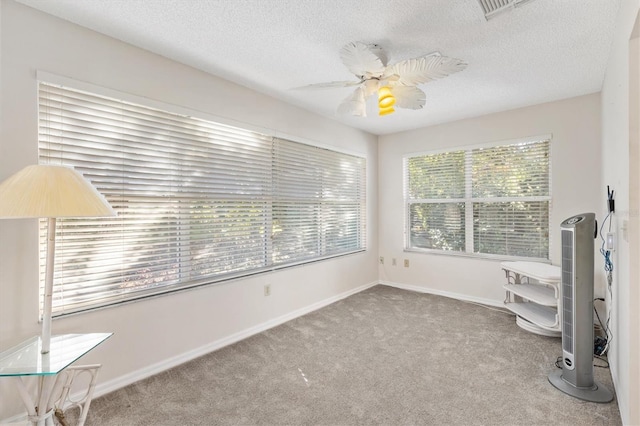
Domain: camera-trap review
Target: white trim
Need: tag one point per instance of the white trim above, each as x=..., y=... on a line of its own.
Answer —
x=135, y=376
x=485, y=256
x=622, y=402
x=478, y=200
x=457, y=296
x=18, y=420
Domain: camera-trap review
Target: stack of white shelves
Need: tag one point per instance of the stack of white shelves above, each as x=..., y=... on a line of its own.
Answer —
x=533, y=294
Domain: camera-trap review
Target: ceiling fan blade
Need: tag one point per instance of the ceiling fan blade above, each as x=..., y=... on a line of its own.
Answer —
x=354, y=104
x=409, y=97
x=363, y=60
x=379, y=52
x=329, y=85
x=416, y=71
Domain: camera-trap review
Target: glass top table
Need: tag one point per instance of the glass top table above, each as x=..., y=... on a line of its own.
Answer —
x=25, y=359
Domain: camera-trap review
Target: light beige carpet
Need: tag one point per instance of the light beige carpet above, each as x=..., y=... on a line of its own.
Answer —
x=381, y=357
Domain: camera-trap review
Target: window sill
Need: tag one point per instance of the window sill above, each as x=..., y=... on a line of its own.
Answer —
x=493, y=257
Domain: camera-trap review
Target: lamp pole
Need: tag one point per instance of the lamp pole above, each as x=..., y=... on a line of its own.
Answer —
x=48, y=285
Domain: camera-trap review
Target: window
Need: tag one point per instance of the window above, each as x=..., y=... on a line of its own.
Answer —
x=197, y=201
x=490, y=200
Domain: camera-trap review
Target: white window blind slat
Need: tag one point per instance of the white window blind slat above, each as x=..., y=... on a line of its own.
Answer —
x=437, y=175
x=198, y=202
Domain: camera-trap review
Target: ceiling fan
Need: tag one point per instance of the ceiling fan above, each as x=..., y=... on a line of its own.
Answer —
x=396, y=85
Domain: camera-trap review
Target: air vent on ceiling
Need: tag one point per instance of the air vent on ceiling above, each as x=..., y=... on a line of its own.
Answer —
x=493, y=7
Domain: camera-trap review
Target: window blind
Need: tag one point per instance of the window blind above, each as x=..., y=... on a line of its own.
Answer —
x=513, y=184
x=490, y=200
x=437, y=176
x=197, y=201
x=317, y=206
x=437, y=225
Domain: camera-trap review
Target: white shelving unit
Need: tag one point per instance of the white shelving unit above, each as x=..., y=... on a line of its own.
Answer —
x=533, y=294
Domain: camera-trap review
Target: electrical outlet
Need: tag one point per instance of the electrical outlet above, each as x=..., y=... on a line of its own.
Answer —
x=381, y=260
x=393, y=261
x=267, y=290
x=406, y=263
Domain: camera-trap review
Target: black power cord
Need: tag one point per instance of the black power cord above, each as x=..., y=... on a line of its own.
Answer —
x=598, y=357
x=608, y=269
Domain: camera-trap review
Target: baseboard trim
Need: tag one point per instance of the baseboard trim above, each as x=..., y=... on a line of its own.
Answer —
x=448, y=294
x=127, y=379
x=622, y=402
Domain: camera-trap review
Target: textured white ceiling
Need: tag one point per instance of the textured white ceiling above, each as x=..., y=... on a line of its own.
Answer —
x=542, y=51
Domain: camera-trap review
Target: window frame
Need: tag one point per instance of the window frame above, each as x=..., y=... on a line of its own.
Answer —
x=469, y=200
x=268, y=265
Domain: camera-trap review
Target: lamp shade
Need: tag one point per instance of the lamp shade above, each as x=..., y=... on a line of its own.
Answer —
x=41, y=191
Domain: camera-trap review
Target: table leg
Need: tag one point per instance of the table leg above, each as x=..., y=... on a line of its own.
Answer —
x=26, y=398
x=38, y=412
x=46, y=393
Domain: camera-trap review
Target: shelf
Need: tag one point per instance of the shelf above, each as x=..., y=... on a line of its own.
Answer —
x=541, y=272
x=532, y=328
x=532, y=294
x=26, y=359
x=542, y=316
x=539, y=294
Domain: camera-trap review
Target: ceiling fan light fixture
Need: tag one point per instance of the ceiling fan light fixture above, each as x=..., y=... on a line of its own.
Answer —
x=386, y=111
x=385, y=98
x=395, y=85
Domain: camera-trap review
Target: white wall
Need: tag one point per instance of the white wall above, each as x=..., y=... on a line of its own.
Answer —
x=157, y=331
x=621, y=164
x=576, y=188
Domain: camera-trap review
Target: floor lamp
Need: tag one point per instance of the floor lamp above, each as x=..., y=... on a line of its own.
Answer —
x=47, y=191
